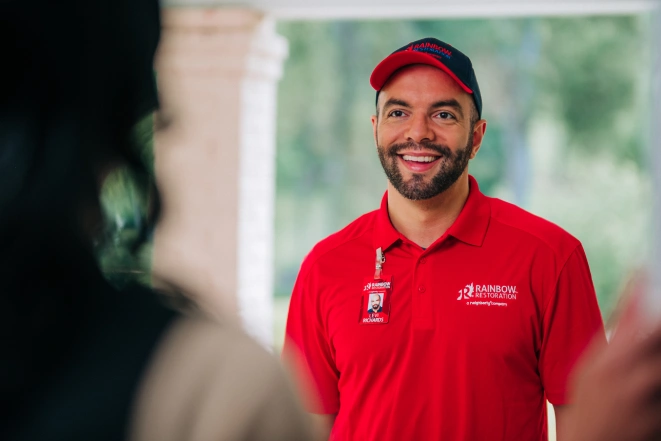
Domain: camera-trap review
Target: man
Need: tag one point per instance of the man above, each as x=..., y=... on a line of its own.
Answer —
x=375, y=301
x=475, y=367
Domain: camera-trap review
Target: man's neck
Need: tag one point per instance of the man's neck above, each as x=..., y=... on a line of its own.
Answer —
x=423, y=222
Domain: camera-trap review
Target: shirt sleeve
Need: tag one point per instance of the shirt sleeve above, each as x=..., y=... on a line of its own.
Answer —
x=570, y=321
x=307, y=345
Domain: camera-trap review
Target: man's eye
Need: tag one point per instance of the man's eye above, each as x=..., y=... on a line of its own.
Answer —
x=396, y=113
x=445, y=115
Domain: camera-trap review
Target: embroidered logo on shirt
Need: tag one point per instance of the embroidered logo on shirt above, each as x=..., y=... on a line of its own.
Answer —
x=487, y=295
x=466, y=293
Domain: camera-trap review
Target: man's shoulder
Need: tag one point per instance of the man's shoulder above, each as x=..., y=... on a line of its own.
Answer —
x=341, y=241
x=532, y=226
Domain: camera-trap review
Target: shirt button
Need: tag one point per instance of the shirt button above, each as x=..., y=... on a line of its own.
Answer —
x=422, y=260
x=421, y=288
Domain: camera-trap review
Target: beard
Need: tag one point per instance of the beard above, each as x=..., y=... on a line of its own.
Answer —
x=416, y=189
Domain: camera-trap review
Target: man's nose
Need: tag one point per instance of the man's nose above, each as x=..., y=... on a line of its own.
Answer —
x=420, y=129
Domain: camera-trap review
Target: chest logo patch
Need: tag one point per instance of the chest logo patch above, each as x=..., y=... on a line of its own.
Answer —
x=488, y=295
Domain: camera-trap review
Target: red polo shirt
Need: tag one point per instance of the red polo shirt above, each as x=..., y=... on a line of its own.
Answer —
x=484, y=325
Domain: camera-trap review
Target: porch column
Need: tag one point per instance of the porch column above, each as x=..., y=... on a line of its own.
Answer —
x=218, y=70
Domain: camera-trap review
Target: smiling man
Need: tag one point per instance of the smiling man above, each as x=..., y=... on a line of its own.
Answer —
x=488, y=306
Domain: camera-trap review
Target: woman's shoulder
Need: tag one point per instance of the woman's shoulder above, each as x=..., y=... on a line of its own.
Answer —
x=209, y=380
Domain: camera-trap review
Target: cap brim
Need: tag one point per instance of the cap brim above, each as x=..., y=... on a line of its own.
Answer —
x=384, y=70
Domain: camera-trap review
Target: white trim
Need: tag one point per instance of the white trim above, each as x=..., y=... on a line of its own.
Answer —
x=257, y=170
x=440, y=11
x=421, y=9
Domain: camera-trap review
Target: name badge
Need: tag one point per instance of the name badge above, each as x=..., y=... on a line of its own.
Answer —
x=375, y=304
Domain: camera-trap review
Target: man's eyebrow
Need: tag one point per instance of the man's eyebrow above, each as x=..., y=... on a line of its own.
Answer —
x=396, y=102
x=449, y=103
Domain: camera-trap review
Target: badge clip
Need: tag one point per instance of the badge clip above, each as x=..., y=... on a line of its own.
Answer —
x=375, y=304
x=380, y=260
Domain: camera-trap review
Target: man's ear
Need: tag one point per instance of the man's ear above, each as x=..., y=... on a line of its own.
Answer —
x=478, y=136
x=375, y=122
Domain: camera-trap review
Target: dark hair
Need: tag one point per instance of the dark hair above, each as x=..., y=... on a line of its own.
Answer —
x=77, y=75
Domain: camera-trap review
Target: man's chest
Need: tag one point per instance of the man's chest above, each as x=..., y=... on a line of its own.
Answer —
x=485, y=306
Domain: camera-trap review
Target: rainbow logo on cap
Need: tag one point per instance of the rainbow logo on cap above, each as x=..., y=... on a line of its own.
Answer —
x=432, y=48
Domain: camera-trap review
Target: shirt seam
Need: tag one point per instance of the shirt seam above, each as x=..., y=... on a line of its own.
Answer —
x=540, y=238
x=557, y=279
x=313, y=262
x=324, y=329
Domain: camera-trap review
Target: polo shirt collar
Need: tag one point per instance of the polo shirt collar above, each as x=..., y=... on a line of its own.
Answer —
x=470, y=227
x=385, y=234
x=473, y=221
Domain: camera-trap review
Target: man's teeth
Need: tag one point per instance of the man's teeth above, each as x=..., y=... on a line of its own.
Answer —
x=419, y=158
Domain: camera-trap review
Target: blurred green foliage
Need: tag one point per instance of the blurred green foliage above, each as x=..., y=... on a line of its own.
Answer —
x=567, y=104
x=124, y=202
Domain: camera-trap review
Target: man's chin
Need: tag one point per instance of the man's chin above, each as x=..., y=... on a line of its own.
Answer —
x=416, y=194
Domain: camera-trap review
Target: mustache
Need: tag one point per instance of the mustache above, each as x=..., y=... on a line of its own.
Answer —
x=442, y=150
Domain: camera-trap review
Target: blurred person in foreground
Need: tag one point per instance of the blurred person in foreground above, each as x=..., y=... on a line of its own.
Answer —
x=486, y=307
x=616, y=387
x=81, y=360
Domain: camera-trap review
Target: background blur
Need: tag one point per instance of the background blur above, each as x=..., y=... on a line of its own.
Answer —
x=567, y=101
x=568, y=105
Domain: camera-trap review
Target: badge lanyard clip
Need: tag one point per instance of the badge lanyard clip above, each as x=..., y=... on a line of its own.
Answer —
x=380, y=260
x=375, y=306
